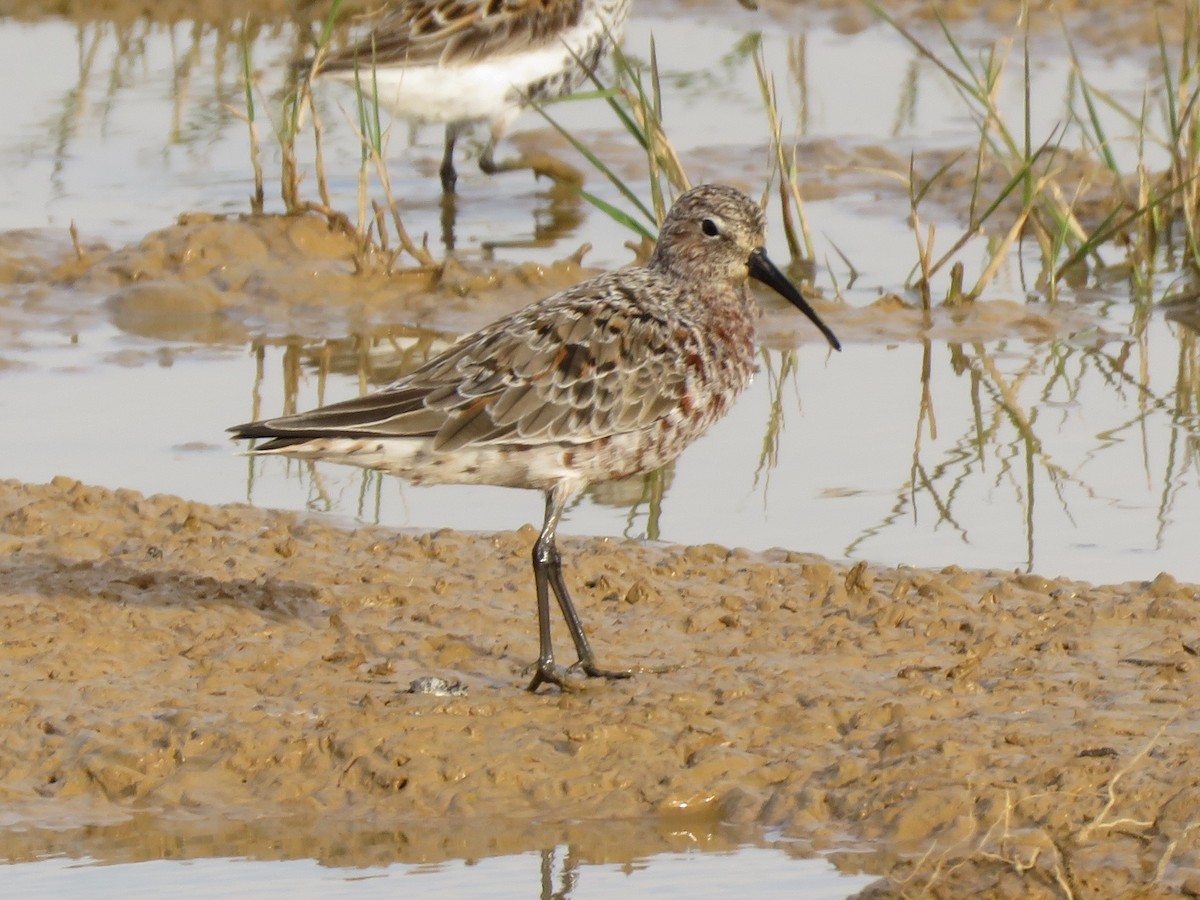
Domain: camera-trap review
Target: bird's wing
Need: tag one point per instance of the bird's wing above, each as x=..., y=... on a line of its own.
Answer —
x=457, y=32
x=582, y=365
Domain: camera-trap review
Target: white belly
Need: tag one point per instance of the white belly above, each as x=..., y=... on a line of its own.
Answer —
x=413, y=459
x=481, y=91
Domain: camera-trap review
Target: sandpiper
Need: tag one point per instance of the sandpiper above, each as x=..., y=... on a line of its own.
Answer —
x=607, y=379
x=461, y=62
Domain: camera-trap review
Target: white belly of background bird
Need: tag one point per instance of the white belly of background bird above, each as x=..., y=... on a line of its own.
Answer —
x=445, y=94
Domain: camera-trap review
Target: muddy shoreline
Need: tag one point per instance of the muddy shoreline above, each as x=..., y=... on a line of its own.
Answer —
x=168, y=658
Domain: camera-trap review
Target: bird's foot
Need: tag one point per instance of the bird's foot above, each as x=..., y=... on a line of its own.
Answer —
x=552, y=673
x=548, y=672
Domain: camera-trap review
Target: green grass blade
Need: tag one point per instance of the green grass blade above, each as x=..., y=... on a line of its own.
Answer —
x=596, y=162
x=617, y=215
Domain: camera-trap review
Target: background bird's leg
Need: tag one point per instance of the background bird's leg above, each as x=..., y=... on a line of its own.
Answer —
x=449, y=176
x=539, y=163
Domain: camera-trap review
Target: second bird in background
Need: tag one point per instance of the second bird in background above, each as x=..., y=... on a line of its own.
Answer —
x=465, y=62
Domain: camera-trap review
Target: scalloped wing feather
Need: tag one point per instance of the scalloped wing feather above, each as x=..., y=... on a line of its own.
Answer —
x=517, y=382
x=458, y=32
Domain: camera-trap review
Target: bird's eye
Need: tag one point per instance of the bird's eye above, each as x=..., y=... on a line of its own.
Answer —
x=709, y=227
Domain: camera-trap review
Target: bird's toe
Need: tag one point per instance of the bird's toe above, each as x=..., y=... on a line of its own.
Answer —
x=551, y=673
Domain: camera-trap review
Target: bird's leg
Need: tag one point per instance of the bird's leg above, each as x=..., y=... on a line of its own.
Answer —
x=545, y=562
x=538, y=163
x=487, y=159
x=447, y=173
x=547, y=576
x=587, y=660
x=545, y=671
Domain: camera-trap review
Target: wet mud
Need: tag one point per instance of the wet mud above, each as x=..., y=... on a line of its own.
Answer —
x=229, y=280
x=962, y=730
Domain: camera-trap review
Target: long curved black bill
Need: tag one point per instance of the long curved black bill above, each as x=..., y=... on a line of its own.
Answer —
x=762, y=269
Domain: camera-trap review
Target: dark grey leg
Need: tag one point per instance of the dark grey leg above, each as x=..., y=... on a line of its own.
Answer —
x=545, y=670
x=587, y=661
x=449, y=176
x=547, y=576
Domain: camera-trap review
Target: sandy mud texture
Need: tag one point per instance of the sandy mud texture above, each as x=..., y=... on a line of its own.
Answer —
x=236, y=279
x=961, y=731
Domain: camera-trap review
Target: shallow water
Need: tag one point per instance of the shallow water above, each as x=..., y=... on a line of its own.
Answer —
x=722, y=875
x=1067, y=450
x=1048, y=458
x=148, y=857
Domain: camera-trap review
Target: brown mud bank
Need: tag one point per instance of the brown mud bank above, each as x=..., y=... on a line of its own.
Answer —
x=236, y=279
x=970, y=731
